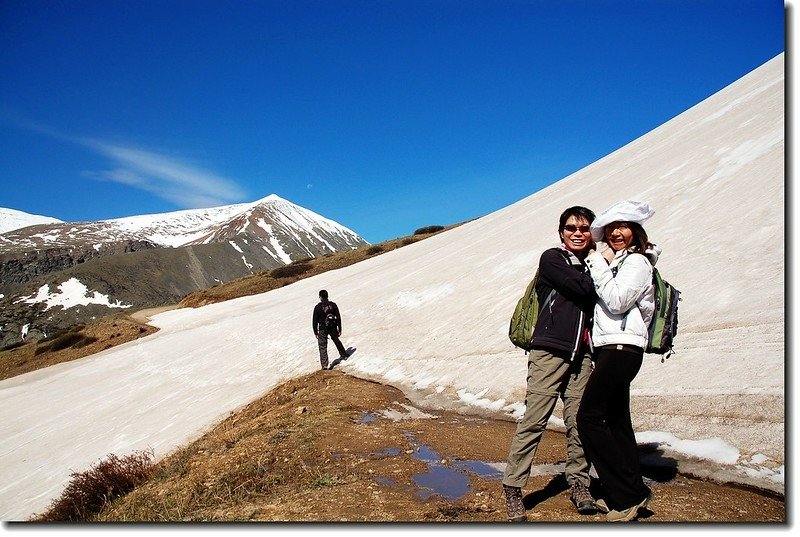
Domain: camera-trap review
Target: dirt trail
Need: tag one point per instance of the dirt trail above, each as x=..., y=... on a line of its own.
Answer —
x=145, y=315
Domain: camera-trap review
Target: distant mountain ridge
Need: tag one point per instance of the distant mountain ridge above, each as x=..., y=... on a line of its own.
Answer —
x=149, y=260
x=268, y=219
x=11, y=219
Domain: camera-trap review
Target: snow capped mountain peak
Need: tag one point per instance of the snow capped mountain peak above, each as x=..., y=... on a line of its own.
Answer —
x=11, y=219
x=199, y=226
x=269, y=199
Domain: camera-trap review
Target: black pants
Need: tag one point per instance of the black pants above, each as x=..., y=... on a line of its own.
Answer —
x=322, y=340
x=604, y=425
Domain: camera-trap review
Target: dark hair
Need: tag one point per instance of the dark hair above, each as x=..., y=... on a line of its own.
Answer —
x=578, y=212
x=323, y=294
x=640, y=242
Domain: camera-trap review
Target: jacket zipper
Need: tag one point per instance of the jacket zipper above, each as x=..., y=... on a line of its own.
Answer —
x=577, y=338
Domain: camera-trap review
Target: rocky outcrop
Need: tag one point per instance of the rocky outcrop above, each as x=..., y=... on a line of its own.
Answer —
x=20, y=267
x=140, y=279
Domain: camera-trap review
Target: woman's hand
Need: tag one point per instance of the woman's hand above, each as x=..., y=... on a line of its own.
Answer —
x=605, y=251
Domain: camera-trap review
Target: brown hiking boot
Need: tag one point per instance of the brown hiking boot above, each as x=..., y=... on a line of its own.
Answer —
x=514, y=505
x=582, y=499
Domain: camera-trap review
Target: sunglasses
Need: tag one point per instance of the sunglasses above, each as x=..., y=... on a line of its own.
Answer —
x=569, y=228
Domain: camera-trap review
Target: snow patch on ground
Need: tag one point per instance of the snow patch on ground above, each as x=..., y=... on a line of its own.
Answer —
x=71, y=293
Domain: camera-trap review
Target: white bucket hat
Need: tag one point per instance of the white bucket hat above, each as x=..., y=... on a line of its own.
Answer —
x=622, y=211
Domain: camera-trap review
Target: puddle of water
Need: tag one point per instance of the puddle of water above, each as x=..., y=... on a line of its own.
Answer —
x=481, y=469
x=450, y=482
x=443, y=481
x=366, y=417
x=426, y=454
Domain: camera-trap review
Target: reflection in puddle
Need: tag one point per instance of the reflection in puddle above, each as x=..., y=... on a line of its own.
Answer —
x=481, y=469
x=450, y=482
x=448, y=479
x=366, y=417
x=443, y=481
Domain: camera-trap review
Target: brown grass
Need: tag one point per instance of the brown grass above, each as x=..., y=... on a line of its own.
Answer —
x=90, y=491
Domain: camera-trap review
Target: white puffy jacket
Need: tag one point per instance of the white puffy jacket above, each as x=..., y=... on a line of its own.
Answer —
x=626, y=302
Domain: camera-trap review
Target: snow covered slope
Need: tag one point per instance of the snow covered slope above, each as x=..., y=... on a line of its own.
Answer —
x=432, y=317
x=11, y=219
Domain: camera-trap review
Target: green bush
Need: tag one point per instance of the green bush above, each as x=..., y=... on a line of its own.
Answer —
x=428, y=229
x=88, y=492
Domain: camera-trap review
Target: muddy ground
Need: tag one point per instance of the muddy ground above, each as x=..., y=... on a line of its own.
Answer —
x=331, y=447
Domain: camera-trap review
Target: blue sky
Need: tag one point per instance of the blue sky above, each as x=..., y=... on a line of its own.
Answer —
x=384, y=115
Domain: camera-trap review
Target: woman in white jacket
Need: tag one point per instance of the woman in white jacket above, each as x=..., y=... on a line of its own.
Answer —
x=622, y=273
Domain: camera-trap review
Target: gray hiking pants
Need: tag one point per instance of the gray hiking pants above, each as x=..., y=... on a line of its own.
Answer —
x=322, y=340
x=550, y=376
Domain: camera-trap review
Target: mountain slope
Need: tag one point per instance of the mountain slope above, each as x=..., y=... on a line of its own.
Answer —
x=11, y=219
x=432, y=317
x=150, y=260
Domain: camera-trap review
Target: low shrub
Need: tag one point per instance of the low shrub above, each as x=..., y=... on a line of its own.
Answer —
x=58, y=333
x=428, y=229
x=86, y=340
x=12, y=346
x=70, y=339
x=73, y=340
x=372, y=250
x=88, y=492
x=287, y=271
x=407, y=241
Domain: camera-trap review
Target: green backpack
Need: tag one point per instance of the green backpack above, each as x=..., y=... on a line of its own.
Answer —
x=523, y=321
x=664, y=325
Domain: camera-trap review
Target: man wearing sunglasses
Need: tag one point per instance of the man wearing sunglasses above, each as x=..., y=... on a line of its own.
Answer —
x=559, y=364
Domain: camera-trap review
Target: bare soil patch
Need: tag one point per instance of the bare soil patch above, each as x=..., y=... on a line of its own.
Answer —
x=332, y=447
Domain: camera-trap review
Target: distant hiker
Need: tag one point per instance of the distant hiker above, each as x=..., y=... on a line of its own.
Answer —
x=559, y=364
x=327, y=322
x=622, y=275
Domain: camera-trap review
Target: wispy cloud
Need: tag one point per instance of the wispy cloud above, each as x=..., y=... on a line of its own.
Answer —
x=175, y=180
x=166, y=177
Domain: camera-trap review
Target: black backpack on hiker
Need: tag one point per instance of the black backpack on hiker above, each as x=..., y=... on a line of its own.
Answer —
x=330, y=321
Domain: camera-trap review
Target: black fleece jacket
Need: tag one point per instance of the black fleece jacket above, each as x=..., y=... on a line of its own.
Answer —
x=322, y=309
x=561, y=320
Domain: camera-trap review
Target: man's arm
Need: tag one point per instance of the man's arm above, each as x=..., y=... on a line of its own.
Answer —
x=338, y=319
x=556, y=271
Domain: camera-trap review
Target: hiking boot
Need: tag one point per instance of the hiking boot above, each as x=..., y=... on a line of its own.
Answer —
x=628, y=514
x=582, y=499
x=514, y=505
